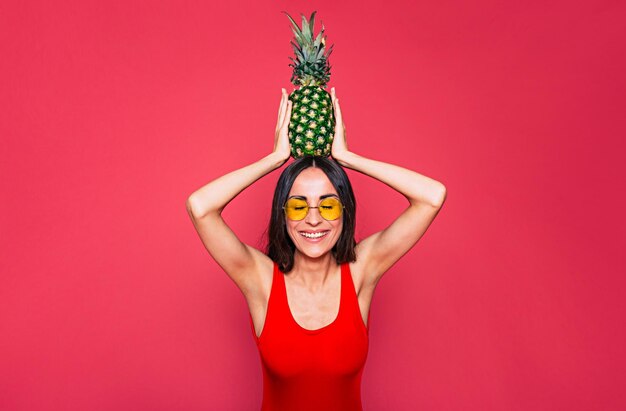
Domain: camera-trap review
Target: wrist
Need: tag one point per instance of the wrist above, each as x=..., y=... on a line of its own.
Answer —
x=277, y=159
x=343, y=158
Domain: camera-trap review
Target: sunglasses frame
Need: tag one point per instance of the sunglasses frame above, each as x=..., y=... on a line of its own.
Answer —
x=309, y=208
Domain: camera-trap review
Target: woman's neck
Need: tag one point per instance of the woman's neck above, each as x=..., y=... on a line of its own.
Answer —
x=313, y=273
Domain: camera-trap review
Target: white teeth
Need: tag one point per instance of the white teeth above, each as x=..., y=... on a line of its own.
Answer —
x=314, y=235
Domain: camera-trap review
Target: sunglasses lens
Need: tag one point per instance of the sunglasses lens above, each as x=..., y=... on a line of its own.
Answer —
x=296, y=209
x=330, y=208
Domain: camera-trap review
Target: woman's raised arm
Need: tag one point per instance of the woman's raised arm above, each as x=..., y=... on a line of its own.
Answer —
x=425, y=196
x=205, y=205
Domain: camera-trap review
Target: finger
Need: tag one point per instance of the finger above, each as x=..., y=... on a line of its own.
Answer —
x=287, y=114
x=338, y=116
x=281, y=108
x=332, y=94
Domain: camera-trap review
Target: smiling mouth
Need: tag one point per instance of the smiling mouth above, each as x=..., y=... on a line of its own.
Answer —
x=316, y=235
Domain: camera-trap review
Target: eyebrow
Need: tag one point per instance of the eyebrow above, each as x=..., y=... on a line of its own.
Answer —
x=321, y=197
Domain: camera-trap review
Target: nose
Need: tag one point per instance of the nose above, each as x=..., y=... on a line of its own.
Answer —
x=313, y=217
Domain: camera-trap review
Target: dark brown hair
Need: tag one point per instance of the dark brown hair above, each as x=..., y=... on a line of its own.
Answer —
x=280, y=247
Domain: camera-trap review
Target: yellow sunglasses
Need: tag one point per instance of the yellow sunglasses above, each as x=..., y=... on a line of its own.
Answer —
x=330, y=208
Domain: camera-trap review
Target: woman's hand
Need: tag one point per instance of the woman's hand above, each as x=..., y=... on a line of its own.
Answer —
x=339, y=148
x=281, y=137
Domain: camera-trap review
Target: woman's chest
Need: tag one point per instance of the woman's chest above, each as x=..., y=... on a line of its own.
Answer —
x=335, y=351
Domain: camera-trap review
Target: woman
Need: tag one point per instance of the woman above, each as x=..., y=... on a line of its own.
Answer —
x=309, y=294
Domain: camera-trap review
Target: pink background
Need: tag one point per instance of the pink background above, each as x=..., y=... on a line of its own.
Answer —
x=112, y=113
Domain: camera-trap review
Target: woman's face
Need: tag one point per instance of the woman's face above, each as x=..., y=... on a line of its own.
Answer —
x=312, y=183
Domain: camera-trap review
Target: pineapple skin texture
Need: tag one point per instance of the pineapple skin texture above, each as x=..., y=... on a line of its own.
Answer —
x=312, y=122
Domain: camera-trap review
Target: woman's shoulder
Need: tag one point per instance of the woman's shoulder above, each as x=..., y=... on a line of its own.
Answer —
x=357, y=273
x=261, y=277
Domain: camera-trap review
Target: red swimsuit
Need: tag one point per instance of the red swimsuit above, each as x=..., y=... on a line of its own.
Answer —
x=312, y=369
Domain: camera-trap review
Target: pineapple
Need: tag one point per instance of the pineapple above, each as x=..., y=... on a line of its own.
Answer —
x=312, y=123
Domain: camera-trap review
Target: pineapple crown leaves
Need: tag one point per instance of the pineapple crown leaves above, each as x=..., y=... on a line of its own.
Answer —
x=311, y=66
